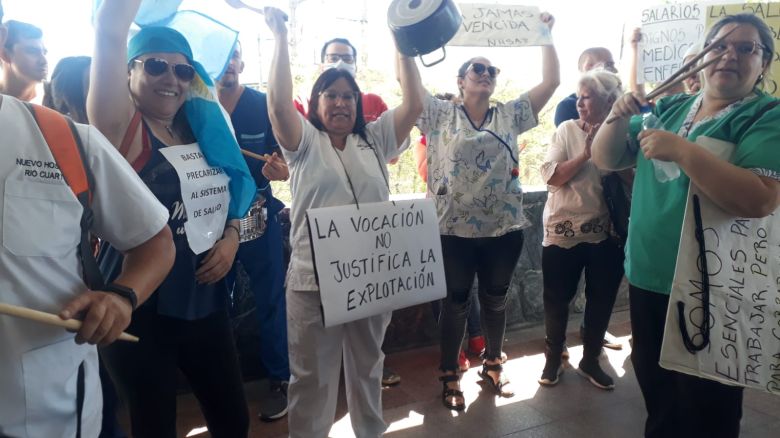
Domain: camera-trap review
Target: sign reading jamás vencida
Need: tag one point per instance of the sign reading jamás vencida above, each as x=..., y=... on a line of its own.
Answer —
x=377, y=258
x=491, y=25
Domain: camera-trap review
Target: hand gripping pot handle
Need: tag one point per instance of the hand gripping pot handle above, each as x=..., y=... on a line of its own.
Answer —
x=423, y=26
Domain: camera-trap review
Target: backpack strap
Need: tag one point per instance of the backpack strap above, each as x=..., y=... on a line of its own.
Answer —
x=65, y=145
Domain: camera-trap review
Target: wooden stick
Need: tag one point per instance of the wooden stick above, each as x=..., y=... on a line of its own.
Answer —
x=664, y=87
x=683, y=70
x=682, y=74
x=254, y=155
x=667, y=85
x=51, y=319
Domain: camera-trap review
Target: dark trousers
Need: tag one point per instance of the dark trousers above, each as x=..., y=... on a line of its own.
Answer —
x=561, y=271
x=263, y=261
x=146, y=373
x=678, y=405
x=493, y=259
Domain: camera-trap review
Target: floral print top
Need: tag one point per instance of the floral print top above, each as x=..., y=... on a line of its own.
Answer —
x=472, y=169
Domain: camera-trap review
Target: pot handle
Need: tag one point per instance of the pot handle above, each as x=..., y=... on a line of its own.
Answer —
x=444, y=55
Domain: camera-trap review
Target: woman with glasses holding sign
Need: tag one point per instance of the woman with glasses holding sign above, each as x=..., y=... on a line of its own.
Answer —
x=732, y=114
x=473, y=176
x=335, y=159
x=152, y=101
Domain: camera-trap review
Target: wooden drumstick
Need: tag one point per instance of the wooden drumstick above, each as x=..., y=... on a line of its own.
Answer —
x=254, y=155
x=51, y=319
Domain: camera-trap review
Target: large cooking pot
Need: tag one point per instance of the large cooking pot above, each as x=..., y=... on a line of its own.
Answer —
x=422, y=26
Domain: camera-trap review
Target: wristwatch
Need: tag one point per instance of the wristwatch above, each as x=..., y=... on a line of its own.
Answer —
x=124, y=292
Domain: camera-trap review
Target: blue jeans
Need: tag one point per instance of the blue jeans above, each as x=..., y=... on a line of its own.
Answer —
x=492, y=259
x=263, y=260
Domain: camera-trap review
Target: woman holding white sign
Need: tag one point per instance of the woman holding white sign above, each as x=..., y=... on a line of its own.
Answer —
x=724, y=140
x=335, y=159
x=152, y=100
x=473, y=176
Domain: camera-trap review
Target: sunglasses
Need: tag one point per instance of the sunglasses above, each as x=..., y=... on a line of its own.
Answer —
x=479, y=68
x=157, y=67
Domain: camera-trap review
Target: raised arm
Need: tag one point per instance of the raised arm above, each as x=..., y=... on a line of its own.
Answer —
x=551, y=73
x=109, y=106
x=412, y=93
x=609, y=150
x=633, y=85
x=284, y=118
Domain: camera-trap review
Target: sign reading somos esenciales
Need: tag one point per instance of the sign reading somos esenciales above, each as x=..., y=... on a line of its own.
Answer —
x=377, y=258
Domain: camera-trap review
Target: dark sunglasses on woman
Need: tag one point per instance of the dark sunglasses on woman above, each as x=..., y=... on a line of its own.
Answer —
x=157, y=67
x=479, y=68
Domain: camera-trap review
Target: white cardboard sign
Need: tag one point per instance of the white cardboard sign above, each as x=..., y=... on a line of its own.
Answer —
x=204, y=192
x=743, y=271
x=668, y=31
x=491, y=25
x=377, y=258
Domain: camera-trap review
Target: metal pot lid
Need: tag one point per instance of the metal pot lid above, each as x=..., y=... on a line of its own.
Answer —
x=408, y=12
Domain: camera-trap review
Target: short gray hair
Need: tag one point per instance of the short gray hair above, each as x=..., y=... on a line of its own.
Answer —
x=604, y=84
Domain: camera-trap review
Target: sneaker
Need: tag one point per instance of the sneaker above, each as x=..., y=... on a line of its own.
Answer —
x=591, y=370
x=551, y=373
x=274, y=406
x=389, y=378
x=463, y=362
x=476, y=344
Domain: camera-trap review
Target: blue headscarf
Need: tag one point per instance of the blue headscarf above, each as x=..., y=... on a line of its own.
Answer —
x=206, y=118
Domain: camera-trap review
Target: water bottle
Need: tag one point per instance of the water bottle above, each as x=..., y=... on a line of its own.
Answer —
x=665, y=171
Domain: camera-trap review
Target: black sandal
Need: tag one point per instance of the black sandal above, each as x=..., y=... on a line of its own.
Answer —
x=450, y=392
x=498, y=387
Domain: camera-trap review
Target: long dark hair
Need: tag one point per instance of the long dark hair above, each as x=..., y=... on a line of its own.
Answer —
x=326, y=79
x=67, y=92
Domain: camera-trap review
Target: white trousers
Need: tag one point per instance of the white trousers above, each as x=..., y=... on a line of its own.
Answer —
x=316, y=353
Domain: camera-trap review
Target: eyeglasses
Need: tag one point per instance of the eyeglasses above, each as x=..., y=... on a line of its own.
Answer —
x=332, y=96
x=479, y=68
x=741, y=48
x=334, y=58
x=157, y=67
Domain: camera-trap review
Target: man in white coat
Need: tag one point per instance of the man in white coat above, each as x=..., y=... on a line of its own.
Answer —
x=49, y=377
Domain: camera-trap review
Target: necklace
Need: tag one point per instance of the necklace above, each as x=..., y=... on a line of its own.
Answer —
x=170, y=131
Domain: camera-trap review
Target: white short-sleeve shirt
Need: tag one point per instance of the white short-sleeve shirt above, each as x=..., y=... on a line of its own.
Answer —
x=575, y=212
x=40, y=269
x=470, y=169
x=318, y=179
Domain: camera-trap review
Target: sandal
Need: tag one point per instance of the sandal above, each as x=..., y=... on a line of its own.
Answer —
x=448, y=392
x=501, y=387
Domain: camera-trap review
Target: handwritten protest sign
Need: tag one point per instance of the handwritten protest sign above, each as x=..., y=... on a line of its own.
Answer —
x=375, y=259
x=743, y=270
x=490, y=25
x=204, y=192
x=668, y=31
x=770, y=13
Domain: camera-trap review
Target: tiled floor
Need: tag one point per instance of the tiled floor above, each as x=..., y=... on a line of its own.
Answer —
x=573, y=408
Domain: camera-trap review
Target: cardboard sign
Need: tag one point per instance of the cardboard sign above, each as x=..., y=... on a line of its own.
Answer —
x=668, y=31
x=490, y=25
x=375, y=259
x=204, y=192
x=743, y=270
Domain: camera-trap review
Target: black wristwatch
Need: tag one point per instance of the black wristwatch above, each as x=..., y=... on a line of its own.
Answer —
x=124, y=292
